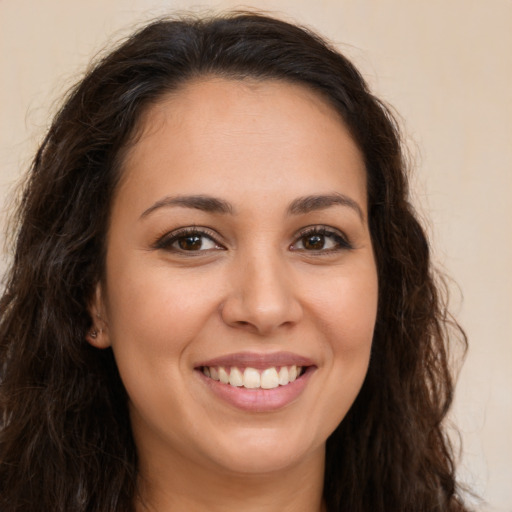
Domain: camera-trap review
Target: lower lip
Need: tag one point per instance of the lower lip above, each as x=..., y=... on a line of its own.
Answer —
x=259, y=400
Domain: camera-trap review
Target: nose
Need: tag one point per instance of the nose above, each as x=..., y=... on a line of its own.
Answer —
x=262, y=297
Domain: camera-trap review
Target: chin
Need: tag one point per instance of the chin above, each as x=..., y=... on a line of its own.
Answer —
x=259, y=451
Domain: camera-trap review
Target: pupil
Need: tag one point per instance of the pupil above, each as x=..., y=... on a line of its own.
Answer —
x=314, y=242
x=190, y=243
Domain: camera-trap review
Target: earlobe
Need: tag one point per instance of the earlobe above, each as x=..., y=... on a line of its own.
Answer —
x=97, y=335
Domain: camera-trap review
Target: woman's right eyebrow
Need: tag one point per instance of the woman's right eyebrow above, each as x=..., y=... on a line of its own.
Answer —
x=199, y=202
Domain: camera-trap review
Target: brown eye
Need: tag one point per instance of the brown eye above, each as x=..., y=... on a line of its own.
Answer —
x=321, y=240
x=313, y=242
x=190, y=243
x=187, y=241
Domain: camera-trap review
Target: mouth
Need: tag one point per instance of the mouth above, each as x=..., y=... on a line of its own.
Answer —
x=257, y=382
x=254, y=378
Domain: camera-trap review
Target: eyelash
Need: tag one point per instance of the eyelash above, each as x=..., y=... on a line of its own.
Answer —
x=166, y=242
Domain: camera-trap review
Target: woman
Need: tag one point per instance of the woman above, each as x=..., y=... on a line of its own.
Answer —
x=219, y=286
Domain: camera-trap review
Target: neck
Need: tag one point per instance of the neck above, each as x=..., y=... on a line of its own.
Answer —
x=182, y=486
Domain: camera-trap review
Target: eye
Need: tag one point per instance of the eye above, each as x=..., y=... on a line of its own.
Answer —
x=321, y=239
x=196, y=242
x=187, y=240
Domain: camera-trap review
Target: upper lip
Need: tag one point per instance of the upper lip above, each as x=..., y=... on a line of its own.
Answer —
x=258, y=360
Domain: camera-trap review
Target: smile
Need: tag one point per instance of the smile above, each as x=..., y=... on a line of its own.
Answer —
x=257, y=382
x=252, y=378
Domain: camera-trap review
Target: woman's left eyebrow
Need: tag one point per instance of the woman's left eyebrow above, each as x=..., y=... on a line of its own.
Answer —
x=199, y=202
x=307, y=204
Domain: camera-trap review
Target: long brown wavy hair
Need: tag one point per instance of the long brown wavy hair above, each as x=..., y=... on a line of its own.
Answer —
x=65, y=438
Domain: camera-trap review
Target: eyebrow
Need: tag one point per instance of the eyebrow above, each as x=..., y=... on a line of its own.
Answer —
x=308, y=204
x=204, y=203
x=299, y=206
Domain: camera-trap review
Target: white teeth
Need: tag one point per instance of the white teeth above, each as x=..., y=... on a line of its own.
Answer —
x=269, y=378
x=223, y=375
x=236, y=378
x=283, y=376
x=250, y=378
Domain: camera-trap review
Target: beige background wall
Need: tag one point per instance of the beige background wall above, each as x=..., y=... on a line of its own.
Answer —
x=447, y=68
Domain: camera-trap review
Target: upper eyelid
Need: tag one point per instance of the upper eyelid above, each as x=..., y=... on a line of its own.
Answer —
x=321, y=228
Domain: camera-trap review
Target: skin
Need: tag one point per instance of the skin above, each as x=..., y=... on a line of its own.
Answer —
x=255, y=285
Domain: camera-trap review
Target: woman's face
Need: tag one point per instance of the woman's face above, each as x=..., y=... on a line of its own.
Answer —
x=239, y=250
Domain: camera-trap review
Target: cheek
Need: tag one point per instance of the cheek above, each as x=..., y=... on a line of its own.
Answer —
x=350, y=333
x=346, y=308
x=152, y=320
x=154, y=313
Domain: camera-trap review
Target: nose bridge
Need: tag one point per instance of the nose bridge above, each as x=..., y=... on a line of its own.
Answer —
x=263, y=296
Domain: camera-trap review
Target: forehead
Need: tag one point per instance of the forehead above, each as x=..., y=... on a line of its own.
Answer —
x=253, y=134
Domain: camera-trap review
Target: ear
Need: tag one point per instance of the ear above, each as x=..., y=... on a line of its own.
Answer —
x=98, y=335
